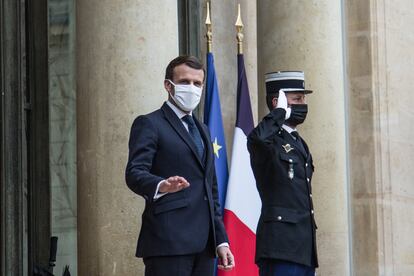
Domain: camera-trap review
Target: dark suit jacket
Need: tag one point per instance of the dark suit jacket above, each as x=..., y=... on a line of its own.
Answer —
x=178, y=223
x=286, y=228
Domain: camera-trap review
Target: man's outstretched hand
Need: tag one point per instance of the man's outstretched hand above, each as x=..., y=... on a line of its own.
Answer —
x=173, y=184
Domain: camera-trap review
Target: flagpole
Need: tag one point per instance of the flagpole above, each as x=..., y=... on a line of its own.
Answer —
x=209, y=34
x=239, y=28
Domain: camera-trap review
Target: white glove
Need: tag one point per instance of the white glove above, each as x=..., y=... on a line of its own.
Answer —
x=282, y=103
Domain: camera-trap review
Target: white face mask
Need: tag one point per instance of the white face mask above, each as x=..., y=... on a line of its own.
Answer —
x=186, y=96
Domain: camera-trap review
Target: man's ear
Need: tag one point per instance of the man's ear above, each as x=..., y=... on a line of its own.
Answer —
x=168, y=86
x=274, y=102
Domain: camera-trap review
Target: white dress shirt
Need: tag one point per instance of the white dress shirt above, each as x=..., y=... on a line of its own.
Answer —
x=288, y=128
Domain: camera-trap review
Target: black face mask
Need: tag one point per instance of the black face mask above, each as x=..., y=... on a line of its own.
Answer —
x=298, y=114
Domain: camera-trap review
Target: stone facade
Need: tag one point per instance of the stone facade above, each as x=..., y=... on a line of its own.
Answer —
x=122, y=50
x=357, y=58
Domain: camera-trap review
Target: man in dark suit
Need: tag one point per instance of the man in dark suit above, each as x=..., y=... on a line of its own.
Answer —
x=171, y=165
x=283, y=168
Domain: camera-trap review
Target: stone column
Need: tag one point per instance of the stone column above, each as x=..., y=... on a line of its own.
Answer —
x=122, y=49
x=380, y=82
x=365, y=244
x=307, y=35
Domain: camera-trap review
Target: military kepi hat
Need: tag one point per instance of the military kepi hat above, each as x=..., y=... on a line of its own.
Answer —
x=289, y=81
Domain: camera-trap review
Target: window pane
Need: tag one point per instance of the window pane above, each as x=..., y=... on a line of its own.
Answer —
x=62, y=114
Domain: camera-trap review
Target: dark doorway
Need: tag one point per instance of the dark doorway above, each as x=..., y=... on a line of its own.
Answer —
x=24, y=170
x=189, y=27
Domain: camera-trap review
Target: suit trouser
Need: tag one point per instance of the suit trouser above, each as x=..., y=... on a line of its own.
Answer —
x=200, y=264
x=283, y=268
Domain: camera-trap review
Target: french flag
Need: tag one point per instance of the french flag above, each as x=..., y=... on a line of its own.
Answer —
x=242, y=207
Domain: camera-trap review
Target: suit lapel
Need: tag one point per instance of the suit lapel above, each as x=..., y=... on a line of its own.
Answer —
x=308, y=155
x=178, y=126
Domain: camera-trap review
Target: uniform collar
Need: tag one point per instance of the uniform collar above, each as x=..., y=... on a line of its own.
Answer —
x=288, y=128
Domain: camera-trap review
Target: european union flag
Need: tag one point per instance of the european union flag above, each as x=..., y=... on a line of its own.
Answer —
x=213, y=119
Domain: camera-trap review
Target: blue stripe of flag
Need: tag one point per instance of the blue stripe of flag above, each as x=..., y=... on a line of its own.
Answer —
x=213, y=119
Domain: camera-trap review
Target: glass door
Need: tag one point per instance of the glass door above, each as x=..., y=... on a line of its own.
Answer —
x=62, y=132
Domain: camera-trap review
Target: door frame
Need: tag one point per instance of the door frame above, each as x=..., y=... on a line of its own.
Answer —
x=24, y=154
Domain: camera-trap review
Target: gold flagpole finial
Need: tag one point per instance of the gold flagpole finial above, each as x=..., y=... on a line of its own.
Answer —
x=209, y=34
x=239, y=28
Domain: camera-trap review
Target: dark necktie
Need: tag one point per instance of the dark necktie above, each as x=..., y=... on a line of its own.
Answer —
x=195, y=134
x=299, y=141
x=295, y=134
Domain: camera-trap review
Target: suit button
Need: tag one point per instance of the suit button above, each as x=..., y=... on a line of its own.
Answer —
x=205, y=197
x=312, y=212
x=306, y=164
x=279, y=218
x=308, y=179
x=310, y=195
x=290, y=160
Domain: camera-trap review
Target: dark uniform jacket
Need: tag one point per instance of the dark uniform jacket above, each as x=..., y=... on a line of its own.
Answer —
x=283, y=172
x=179, y=223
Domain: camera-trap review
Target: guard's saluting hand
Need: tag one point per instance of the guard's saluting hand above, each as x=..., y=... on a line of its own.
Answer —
x=282, y=103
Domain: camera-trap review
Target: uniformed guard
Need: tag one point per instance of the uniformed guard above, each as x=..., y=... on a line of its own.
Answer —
x=283, y=168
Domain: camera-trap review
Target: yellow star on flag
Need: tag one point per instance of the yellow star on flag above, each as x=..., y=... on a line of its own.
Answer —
x=216, y=147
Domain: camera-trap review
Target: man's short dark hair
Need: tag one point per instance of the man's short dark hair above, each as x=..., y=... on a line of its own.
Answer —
x=269, y=99
x=190, y=61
